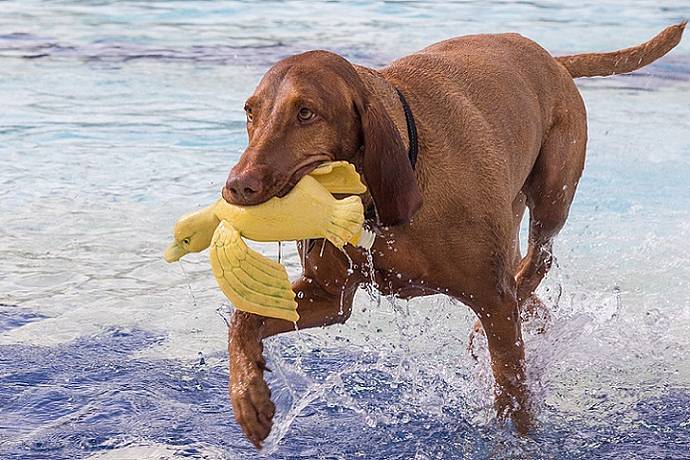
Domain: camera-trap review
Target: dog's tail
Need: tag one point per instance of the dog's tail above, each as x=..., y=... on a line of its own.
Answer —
x=626, y=60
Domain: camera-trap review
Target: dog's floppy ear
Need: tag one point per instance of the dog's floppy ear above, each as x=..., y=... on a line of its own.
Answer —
x=387, y=169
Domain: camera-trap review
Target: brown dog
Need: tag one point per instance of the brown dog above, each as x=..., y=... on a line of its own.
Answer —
x=500, y=127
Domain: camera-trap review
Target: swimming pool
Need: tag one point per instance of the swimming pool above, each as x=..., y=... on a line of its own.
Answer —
x=117, y=117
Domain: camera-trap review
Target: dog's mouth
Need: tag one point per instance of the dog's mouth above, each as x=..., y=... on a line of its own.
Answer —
x=280, y=190
x=299, y=173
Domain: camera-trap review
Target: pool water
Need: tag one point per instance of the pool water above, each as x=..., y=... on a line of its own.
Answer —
x=118, y=117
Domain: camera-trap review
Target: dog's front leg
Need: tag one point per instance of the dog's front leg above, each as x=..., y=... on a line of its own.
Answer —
x=249, y=393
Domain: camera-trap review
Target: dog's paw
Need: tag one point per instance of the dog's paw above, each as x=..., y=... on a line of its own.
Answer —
x=535, y=315
x=513, y=404
x=251, y=400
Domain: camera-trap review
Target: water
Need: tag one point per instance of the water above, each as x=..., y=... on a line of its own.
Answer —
x=117, y=117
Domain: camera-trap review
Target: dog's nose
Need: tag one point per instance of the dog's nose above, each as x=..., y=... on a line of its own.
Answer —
x=245, y=188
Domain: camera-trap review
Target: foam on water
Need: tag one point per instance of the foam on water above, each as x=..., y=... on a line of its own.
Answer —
x=119, y=117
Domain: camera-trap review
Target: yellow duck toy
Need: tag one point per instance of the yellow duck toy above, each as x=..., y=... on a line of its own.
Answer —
x=252, y=282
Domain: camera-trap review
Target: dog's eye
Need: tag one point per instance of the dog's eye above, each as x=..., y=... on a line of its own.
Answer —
x=248, y=112
x=305, y=114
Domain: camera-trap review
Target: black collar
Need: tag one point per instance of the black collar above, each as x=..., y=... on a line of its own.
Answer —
x=411, y=130
x=370, y=212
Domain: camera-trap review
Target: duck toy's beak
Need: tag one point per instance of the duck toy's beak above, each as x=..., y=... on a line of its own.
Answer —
x=174, y=252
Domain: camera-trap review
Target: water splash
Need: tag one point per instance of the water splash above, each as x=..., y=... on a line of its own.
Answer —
x=189, y=285
x=610, y=375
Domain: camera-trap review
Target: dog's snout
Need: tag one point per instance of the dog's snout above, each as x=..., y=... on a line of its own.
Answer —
x=246, y=187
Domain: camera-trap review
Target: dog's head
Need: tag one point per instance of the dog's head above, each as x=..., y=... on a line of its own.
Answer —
x=311, y=108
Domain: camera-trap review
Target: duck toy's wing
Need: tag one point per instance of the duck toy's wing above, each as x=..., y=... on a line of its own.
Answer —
x=252, y=282
x=339, y=177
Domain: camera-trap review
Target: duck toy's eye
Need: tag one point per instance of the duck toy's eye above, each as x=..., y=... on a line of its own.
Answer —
x=186, y=241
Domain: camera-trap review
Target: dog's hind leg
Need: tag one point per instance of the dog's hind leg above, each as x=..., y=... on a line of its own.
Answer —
x=529, y=307
x=499, y=315
x=532, y=306
x=550, y=189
